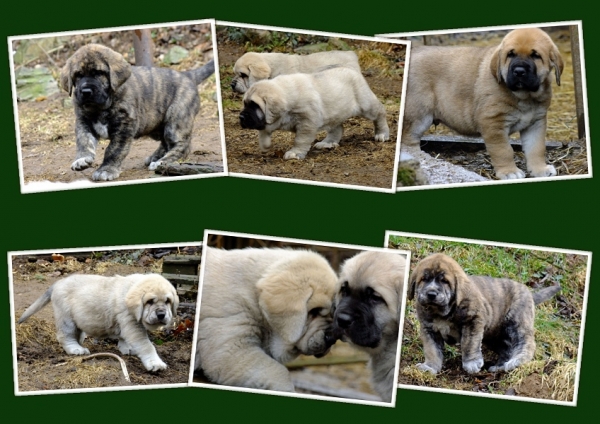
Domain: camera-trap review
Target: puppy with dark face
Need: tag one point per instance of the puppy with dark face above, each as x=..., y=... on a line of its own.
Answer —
x=309, y=103
x=453, y=307
x=120, y=102
x=114, y=307
x=261, y=308
x=367, y=312
x=490, y=92
x=253, y=67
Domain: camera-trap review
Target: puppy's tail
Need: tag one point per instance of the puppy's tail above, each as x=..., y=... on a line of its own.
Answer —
x=37, y=305
x=545, y=294
x=200, y=74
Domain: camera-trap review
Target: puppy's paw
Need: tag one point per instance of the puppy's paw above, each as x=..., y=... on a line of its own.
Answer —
x=124, y=348
x=473, y=366
x=77, y=350
x=106, y=173
x=82, y=163
x=153, y=165
x=326, y=145
x=383, y=136
x=427, y=368
x=546, y=171
x=292, y=154
x=154, y=364
x=510, y=174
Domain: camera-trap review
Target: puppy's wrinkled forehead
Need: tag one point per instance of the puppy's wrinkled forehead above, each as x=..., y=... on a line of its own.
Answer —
x=524, y=41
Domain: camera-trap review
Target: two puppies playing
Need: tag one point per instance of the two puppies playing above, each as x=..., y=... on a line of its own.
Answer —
x=305, y=94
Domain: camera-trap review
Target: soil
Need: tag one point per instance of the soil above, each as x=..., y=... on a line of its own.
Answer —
x=42, y=363
x=47, y=125
x=358, y=160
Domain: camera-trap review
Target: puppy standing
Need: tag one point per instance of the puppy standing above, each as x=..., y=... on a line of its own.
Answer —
x=490, y=92
x=261, y=308
x=114, y=307
x=309, y=103
x=367, y=314
x=453, y=307
x=253, y=67
x=121, y=102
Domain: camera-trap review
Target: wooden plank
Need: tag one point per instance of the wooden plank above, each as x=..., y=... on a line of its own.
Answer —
x=472, y=142
x=181, y=264
x=577, y=80
x=181, y=279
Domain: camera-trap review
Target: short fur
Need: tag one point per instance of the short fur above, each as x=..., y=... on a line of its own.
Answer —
x=309, y=103
x=253, y=67
x=367, y=312
x=453, y=307
x=487, y=91
x=121, y=102
x=122, y=308
x=261, y=308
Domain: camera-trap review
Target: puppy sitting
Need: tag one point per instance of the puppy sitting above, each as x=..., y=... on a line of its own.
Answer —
x=309, y=103
x=113, y=307
x=453, y=307
x=367, y=313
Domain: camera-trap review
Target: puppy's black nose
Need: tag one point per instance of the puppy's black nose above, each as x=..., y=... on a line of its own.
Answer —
x=160, y=315
x=431, y=295
x=344, y=320
x=519, y=71
x=86, y=91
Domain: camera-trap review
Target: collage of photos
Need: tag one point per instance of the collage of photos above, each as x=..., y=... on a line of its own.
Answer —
x=291, y=317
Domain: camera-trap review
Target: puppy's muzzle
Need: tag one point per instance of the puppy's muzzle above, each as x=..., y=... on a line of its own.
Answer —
x=522, y=76
x=344, y=320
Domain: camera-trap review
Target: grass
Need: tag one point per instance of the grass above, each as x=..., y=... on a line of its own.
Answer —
x=551, y=374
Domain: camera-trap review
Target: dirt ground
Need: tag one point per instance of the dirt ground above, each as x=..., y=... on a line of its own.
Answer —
x=42, y=363
x=569, y=160
x=357, y=161
x=46, y=125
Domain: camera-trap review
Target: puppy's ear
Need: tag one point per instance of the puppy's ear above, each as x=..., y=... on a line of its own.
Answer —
x=175, y=302
x=284, y=304
x=259, y=70
x=120, y=69
x=496, y=64
x=463, y=285
x=66, y=80
x=412, y=283
x=135, y=301
x=273, y=108
x=556, y=61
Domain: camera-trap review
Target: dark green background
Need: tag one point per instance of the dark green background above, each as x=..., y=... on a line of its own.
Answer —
x=556, y=214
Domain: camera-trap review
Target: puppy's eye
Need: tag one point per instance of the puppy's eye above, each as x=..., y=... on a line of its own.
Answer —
x=168, y=301
x=511, y=54
x=150, y=302
x=373, y=295
x=243, y=75
x=535, y=55
x=443, y=280
x=315, y=312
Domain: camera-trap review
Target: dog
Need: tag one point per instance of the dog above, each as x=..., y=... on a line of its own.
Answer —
x=253, y=67
x=261, y=308
x=490, y=92
x=119, y=102
x=367, y=311
x=113, y=307
x=454, y=307
x=309, y=103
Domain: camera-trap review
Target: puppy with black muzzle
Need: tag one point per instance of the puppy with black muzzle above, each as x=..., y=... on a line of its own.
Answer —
x=367, y=313
x=309, y=103
x=454, y=307
x=120, y=102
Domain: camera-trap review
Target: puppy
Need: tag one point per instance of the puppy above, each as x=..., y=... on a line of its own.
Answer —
x=367, y=313
x=253, y=67
x=490, y=92
x=309, y=103
x=120, y=102
x=261, y=308
x=453, y=307
x=114, y=307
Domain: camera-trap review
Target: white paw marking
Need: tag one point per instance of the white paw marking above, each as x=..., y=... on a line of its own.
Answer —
x=101, y=129
x=155, y=365
x=473, y=366
x=290, y=154
x=382, y=137
x=154, y=165
x=82, y=163
x=426, y=368
x=516, y=175
x=105, y=175
x=548, y=171
x=326, y=145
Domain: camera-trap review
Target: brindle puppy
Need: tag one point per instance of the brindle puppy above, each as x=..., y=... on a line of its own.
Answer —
x=121, y=102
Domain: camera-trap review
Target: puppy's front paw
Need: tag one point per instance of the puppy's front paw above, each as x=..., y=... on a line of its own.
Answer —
x=383, y=136
x=79, y=350
x=293, y=154
x=82, y=163
x=106, y=173
x=473, y=366
x=510, y=174
x=427, y=368
x=155, y=364
x=326, y=145
x=546, y=171
x=154, y=165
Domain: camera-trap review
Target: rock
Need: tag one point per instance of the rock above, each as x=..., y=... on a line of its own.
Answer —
x=34, y=83
x=409, y=172
x=339, y=44
x=175, y=55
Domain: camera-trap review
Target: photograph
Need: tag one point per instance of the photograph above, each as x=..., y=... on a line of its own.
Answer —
x=299, y=318
x=121, y=318
x=511, y=101
x=311, y=107
x=116, y=106
x=493, y=319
